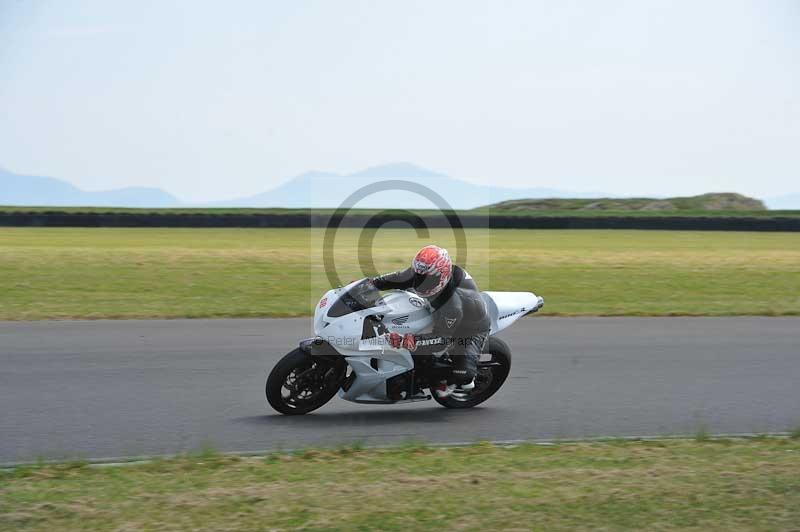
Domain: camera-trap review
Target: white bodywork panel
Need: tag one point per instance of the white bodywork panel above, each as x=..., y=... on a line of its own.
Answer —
x=505, y=308
x=403, y=312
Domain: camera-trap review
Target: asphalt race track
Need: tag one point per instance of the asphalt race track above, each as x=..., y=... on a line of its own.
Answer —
x=97, y=389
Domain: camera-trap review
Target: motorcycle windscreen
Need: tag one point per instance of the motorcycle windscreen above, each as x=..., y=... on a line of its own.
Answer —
x=362, y=296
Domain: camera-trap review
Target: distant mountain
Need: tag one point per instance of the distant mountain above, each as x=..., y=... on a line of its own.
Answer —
x=714, y=201
x=314, y=189
x=788, y=202
x=326, y=190
x=48, y=191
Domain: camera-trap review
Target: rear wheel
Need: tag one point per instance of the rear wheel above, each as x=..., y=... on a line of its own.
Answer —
x=493, y=368
x=299, y=383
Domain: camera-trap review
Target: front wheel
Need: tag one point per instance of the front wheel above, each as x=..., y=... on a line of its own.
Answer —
x=493, y=368
x=299, y=383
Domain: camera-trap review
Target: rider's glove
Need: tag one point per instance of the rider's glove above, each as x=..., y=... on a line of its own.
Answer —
x=407, y=341
x=395, y=340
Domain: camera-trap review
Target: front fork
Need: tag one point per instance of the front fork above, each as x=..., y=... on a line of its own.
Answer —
x=322, y=352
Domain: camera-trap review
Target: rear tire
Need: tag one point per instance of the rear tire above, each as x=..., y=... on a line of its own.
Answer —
x=300, y=383
x=488, y=380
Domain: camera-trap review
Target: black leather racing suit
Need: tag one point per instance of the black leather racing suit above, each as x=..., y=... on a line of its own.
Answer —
x=460, y=321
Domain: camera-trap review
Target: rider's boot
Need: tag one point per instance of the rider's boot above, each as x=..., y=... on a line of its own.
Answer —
x=469, y=386
x=443, y=389
x=464, y=370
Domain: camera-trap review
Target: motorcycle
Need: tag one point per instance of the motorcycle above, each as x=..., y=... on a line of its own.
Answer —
x=350, y=354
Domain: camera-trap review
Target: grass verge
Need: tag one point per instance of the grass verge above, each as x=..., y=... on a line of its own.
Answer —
x=60, y=273
x=715, y=484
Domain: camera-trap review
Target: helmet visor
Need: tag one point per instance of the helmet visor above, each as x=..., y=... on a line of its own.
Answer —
x=427, y=284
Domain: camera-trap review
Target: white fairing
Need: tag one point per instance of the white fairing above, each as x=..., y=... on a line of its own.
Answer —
x=505, y=308
x=403, y=312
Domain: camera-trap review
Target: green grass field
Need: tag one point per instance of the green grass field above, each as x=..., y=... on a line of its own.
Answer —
x=644, y=485
x=59, y=273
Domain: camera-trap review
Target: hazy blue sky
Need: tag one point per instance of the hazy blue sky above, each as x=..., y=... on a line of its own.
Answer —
x=221, y=99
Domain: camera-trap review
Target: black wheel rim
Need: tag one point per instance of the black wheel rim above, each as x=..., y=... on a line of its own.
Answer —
x=303, y=385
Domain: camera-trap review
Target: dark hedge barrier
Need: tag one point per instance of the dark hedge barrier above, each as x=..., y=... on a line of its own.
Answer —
x=70, y=219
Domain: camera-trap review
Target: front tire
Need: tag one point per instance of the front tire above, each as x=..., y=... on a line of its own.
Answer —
x=489, y=379
x=299, y=383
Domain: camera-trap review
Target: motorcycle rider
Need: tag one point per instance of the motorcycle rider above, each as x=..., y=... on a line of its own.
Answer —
x=460, y=320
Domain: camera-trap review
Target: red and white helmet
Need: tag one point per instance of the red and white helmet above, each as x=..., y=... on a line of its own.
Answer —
x=433, y=270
